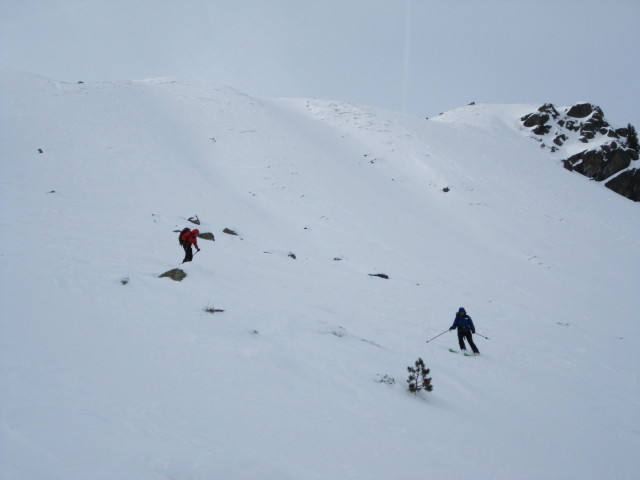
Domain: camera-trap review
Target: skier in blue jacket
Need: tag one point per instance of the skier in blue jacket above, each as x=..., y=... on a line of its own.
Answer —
x=465, y=327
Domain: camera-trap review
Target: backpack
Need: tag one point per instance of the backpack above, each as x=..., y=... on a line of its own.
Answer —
x=181, y=240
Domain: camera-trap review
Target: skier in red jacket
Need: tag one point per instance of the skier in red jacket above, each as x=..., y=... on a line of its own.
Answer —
x=188, y=238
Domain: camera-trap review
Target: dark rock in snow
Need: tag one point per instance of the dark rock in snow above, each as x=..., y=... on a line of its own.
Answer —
x=626, y=184
x=206, y=236
x=550, y=109
x=560, y=139
x=612, y=134
x=380, y=275
x=535, y=119
x=581, y=110
x=599, y=164
x=176, y=274
x=542, y=129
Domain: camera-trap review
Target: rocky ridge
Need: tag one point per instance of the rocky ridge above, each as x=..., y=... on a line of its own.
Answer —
x=590, y=145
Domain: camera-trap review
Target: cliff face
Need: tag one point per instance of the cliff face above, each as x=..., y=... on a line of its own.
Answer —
x=590, y=145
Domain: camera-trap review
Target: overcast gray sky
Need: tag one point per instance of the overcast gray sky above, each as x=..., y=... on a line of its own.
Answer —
x=418, y=56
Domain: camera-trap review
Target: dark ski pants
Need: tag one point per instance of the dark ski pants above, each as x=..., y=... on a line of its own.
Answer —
x=461, y=336
x=188, y=253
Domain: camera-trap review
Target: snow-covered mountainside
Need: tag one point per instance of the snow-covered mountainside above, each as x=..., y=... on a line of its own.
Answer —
x=110, y=372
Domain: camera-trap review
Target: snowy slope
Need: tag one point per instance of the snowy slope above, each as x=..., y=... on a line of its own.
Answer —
x=102, y=380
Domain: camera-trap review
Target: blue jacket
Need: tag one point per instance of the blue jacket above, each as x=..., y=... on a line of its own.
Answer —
x=463, y=323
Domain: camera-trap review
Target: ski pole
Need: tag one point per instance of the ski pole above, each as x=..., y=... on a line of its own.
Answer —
x=437, y=336
x=481, y=336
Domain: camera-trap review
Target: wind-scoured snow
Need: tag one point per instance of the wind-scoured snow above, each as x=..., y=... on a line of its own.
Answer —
x=107, y=371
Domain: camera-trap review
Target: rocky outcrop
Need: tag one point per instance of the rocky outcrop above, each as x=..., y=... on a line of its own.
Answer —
x=627, y=184
x=613, y=152
x=602, y=163
x=539, y=121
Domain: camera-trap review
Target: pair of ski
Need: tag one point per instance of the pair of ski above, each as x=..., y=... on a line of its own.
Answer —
x=464, y=353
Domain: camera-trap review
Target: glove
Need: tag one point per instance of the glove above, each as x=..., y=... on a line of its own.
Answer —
x=197, y=249
x=451, y=329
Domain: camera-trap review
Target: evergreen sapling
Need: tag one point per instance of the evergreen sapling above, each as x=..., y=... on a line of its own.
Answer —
x=418, y=379
x=632, y=138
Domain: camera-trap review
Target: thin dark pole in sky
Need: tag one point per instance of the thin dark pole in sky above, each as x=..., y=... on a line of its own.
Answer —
x=407, y=55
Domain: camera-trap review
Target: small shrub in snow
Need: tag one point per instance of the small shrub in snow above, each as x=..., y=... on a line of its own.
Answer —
x=418, y=379
x=385, y=379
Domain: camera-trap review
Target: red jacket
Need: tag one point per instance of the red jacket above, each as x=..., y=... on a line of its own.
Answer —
x=191, y=237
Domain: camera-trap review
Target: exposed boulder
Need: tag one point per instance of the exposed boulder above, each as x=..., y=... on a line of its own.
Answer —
x=599, y=164
x=626, y=184
x=580, y=110
x=560, y=139
x=534, y=119
x=594, y=125
x=550, y=109
x=612, y=134
x=539, y=121
x=542, y=130
x=175, y=274
x=207, y=236
x=572, y=126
